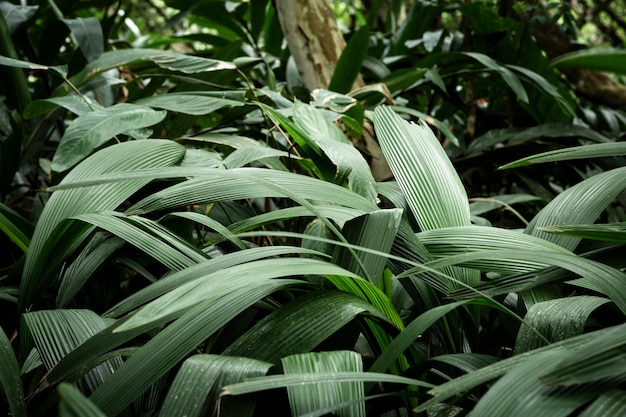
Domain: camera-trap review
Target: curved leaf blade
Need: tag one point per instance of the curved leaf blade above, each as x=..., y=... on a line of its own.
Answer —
x=89, y=131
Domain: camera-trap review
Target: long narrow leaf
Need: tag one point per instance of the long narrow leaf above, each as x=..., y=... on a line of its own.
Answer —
x=10, y=379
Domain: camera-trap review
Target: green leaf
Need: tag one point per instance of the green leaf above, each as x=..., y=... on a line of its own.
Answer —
x=612, y=403
x=147, y=236
x=376, y=230
x=601, y=59
x=187, y=103
x=410, y=333
x=60, y=70
x=169, y=60
x=10, y=380
x=305, y=399
x=242, y=183
x=424, y=172
x=89, y=131
x=15, y=15
x=12, y=231
x=175, y=342
x=67, y=203
x=348, y=160
x=200, y=270
x=73, y=328
x=507, y=75
x=99, y=248
x=556, y=319
x=542, y=83
x=199, y=379
x=503, y=398
x=451, y=241
x=300, y=325
x=88, y=34
x=583, y=203
x=74, y=404
x=219, y=283
x=350, y=61
x=76, y=104
x=614, y=232
x=598, y=150
x=431, y=186
x=554, y=352
x=281, y=381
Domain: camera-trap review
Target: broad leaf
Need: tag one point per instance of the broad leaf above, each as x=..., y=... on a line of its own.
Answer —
x=187, y=103
x=598, y=150
x=74, y=404
x=601, y=59
x=64, y=204
x=89, y=131
x=306, y=399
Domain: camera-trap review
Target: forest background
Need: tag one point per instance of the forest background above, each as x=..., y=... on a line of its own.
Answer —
x=368, y=208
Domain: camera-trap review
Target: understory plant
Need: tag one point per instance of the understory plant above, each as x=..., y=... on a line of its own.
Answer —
x=207, y=240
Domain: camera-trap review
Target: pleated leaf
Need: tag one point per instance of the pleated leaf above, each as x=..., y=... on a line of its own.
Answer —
x=556, y=320
x=244, y=183
x=597, y=150
x=306, y=399
x=612, y=403
x=300, y=325
x=219, y=283
x=169, y=60
x=67, y=203
x=99, y=248
x=10, y=378
x=74, y=404
x=458, y=240
x=431, y=186
x=280, y=381
x=583, y=203
x=376, y=230
x=519, y=393
x=613, y=232
x=605, y=279
x=198, y=271
x=159, y=243
x=175, y=342
x=424, y=172
x=467, y=382
x=199, y=380
x=71, y=328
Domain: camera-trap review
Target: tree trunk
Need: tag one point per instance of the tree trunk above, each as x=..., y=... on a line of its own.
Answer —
x=313, y=37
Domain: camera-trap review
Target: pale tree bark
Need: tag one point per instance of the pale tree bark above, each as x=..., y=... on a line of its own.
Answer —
x=316, y=43
x=314, y=39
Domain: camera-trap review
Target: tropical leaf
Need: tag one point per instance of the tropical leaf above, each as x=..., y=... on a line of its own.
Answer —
x=67, y=203
x=75, y=404
x=301, y=325
x=601, y=59
x=187, y=103
x=580, y=204
x=76, y=326
x=350, y=61
x=10, y=380
x=175, y=342
x=306, y=399
x=199, y=379
x=598, y=150
x=88, y=34
x=89, y=131
x=614, y=232
x=556, y=320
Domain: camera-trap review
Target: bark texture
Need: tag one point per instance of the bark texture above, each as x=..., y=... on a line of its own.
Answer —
x=313, y=37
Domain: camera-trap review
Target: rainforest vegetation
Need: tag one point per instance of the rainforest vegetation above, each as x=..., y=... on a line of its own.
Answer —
x=312, y=207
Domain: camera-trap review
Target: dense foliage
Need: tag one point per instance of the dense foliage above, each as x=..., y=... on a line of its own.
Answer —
x=188, y=230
